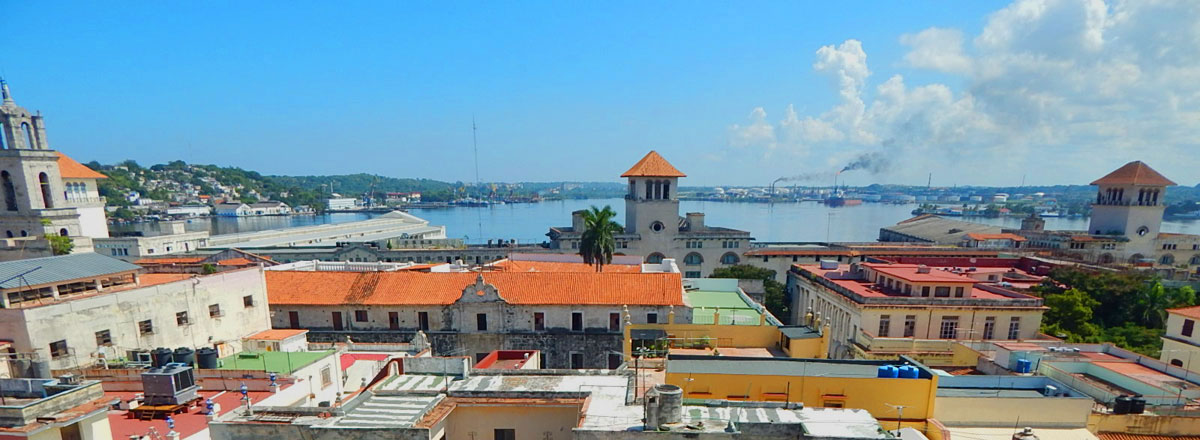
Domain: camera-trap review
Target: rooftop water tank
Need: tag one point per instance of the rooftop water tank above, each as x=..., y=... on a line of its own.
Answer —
x=184, y=355
x=206, y=358
x=909, y=372
x=161, y=356
x=670, y=404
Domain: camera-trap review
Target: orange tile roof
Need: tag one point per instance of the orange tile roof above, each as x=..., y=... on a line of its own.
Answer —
x=1190, y=312
x=554, y=266
x=169, y=260
x=1134, y=173
x=277, y=334
x=68, y=168
x=1004, y=236
x=235, y=262
x=419, y=288
x=653, y=165
x=1123, y=436
x=151, y=279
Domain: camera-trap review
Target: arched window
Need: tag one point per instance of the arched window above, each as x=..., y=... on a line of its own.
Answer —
x=3, y=141
x=63, y=232
x=1196, y=260
x=729, y=258
x=1136, y=258
x=1166, y=259
x=657, y=190
x=24, y=234
x=1176, y=362
x=10, y=191
x=649, y=189
x=693, y=259
x=9, y=234
x=28, y=135
x=654, y=258
x=47, y=198
x=1106, y=258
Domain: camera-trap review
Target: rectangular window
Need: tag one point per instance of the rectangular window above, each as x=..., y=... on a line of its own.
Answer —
x=989, y=327
x=941, y=291
x=576, y=321
x=614, y=322
x=652, y=318
x=576, y=360
x=504, y=434
x=181, y=318
x=394, y=320
x=360, y=316
x=539, y=321
x=958, y=292
x=103, y=338
x=885, y=324
x=910, y=326
x=146, y=327
x=692, y=274
x=326, y=377
x=481, y=322
x=925, y=291
x=248, y=301
x=423, y=321
x=615, y=361
x=1014, y=328
x=58, y=349
x=214, y=310
x=1188, y=326
x=949, y=327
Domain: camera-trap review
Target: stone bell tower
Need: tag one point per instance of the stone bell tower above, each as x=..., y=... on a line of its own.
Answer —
x=1130, y=202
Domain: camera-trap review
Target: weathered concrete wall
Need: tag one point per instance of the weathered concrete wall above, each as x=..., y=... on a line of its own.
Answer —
x=76, y=321
x=462, y=317
x=556, y=347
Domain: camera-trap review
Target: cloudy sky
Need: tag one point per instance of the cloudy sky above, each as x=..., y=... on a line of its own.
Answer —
x=989, y=93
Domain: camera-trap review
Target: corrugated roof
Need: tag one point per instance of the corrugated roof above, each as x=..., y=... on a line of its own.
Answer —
x=420, y=288
x=69, y=168
x=653, y=165
x=61, y=268
x=936, y=229
x=1134, y=173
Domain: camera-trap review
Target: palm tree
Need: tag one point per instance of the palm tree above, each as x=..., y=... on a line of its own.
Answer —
x=597, y=244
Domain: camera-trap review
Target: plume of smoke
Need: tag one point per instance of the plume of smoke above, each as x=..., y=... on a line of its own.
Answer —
x=873, y=162
x=807, y=177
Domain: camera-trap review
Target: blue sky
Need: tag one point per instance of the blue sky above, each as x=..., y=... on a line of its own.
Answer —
x=561, y=91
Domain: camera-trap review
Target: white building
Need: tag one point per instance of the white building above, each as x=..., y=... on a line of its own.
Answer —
x=74, y=309
x=1181, y=339
x=190, y=211
x=654, y=229
x=341, y=204
x=173, y=239
x=232, y=209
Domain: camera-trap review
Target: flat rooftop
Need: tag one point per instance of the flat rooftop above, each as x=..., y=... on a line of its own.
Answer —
x=272, y=361
x=707, y=295
x=686, y=364
x=389, y=225
x=855, y=283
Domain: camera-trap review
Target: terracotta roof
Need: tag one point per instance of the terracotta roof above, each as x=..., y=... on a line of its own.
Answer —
x=653, y=165
x=277, y=334
x=555, y=266
x=235, y=262
x=1190, y=312
x=419, y=288
x=68, y=168
x=1134, y=173
x=1123, y=436
x=912, y=273
x=1004, y=236
x=151, y=279
x=169, y=260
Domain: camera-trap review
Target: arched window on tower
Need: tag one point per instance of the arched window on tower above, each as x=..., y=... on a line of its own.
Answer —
x=28, y=135
x=649, y=189
x=63, y=232
x=47, y=198
x=3, y=144
x=666, y=190
x=10, y=191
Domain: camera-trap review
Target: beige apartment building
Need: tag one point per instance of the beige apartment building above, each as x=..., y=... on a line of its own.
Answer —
x=1181, y=340
x=877, y=310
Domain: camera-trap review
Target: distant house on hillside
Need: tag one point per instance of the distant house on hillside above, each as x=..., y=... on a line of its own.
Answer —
x=233, y=210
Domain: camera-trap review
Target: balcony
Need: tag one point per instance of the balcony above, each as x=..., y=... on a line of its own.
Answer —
x=86, y=202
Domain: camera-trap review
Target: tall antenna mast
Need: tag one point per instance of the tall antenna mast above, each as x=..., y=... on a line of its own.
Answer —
x=475, y=144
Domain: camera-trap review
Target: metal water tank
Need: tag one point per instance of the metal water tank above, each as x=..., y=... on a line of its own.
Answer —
x=184, y=355
x=206, y=358
x=670, y=404
x=161, y=356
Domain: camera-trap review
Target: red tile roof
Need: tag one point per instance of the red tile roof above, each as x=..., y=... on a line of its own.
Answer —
x=653, y=165
x=1190, y=312
x=910, y=273
x=419, y=288
x=277, y=334
x=555, y=266
x=1004, y=236
x=151, y=279
x=1134, y=173
x=169, y=260
x=866, y=288
x=235, y=262
x=1123, y=436
x=68, y=168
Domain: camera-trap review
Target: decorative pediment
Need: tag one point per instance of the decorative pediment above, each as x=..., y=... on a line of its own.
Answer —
x=479, y=292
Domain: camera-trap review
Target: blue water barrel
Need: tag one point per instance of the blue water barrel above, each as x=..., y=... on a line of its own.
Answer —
x=883, y=372
x=908, y=372
x=1024, y=366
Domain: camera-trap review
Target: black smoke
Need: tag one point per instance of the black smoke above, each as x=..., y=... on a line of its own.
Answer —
x=873, y=162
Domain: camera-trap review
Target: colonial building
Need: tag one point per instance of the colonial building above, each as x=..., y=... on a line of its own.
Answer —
x=655, y=230
x=879, y=310
x=1181, y=339
x=45, y=192
x=575, y=318
x=1125, y=227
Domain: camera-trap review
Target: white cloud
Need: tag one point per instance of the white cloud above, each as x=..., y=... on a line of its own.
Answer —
x=1074, y=81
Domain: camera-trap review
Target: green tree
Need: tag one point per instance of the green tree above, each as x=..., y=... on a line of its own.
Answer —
x=773, y=298
x=60, y=244
x=208, y=269
x=1070, y=315
x=597, y=244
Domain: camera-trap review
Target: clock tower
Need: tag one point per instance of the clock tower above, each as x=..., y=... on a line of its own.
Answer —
x=1130, y=202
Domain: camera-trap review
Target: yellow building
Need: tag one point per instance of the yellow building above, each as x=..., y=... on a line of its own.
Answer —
x=814, y=382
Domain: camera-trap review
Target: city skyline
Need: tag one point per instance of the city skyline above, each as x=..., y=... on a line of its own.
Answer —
x=1046, y=92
